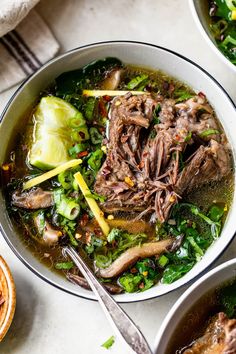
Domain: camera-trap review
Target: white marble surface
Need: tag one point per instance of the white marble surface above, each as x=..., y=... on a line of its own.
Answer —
x=48, y=320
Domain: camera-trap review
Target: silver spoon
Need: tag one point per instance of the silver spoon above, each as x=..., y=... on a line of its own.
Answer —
x=120, y=321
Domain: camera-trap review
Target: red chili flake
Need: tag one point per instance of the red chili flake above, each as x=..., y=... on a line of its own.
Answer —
x=82, y=154
x=177, y=137
x=102, y=107
x=98, y=232
x=107, y=98
x=201, y=94
x=141, y=165
x=84, y=220
x=133, y=270
x=102, y=129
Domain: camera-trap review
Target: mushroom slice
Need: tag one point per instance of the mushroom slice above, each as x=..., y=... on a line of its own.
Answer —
x=76, y=279
x=112, y=80
x=48, y=235
x=132, y=255
x=34, y=199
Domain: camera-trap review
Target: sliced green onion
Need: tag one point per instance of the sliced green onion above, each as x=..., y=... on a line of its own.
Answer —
x=77, y=121
x=80, y=134
x=135, y=82
x=228, y=40
x=103, y=261
x=95, y=160
x=64, y=180
x=95, y=136
x=231, y=4
x=65, y=206
x=195, y=246
x=77, y=148
x=163, y=260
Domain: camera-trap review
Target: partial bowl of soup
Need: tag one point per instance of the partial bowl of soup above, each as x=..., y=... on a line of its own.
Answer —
x=203, y=320
x=124, y=151
x=216, y=20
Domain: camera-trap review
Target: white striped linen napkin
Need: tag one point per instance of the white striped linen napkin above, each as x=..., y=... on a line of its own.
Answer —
x=24, y=49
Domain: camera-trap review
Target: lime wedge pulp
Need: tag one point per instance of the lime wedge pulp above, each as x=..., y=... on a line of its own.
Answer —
x=52, y=135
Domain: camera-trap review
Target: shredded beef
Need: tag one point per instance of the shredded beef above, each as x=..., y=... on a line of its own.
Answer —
x=151, y=164
x=219, y=337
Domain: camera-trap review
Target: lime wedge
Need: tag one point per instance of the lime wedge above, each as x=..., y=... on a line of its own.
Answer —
x=52, y=133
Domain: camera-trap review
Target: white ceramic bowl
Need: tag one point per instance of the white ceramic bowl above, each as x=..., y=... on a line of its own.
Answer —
x=209, y=282
x=138, y=54
x=200, y=12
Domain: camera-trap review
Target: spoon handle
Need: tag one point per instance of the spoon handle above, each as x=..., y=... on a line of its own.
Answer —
x=116, y=316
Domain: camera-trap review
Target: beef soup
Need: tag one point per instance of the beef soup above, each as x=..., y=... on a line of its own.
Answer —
x=210, y=326
x=126, y=164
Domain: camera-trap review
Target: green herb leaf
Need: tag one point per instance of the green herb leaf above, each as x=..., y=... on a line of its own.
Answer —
x=130, y=282
x=147, y=268
x=222, y=9
x=95, y=243
x=174, y=272
x=114, y=234
x=156, y=112
x=96, y=196
x=182, y=95
x=89, y=108
x=64, y=265
x=108, y=343
x=216, y=212
x=188, y=137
